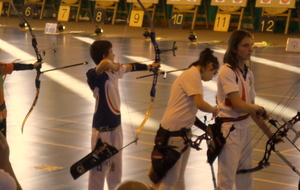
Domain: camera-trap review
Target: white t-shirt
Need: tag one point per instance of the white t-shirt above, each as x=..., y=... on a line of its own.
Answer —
x=227, y=83
x=6, y=181
x=181, y=110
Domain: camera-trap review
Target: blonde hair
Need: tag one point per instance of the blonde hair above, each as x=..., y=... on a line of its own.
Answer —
x=133, y=185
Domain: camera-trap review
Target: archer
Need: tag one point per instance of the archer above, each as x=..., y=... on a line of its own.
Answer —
x=103, y=81
x=172, y=142
x=236, y=101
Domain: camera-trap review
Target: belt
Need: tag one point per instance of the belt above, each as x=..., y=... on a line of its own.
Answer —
x=106, y=128
x=180, y=133
x=231, y=119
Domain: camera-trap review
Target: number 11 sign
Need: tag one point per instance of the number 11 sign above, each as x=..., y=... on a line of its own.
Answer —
x=222, y=22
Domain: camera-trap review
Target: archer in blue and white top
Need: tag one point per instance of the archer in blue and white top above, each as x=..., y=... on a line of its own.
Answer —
x=103, y=81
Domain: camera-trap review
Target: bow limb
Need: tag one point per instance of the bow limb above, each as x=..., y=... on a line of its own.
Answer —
x=152, y=32
x=138, y=131
x=39, y=59
x=31, y=108
x=155, y=71
x=264, y=163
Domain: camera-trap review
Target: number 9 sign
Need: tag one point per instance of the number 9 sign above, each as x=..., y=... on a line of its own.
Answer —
x=136, y=18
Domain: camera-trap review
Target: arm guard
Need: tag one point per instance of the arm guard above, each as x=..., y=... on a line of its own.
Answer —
x=21, y=66
x=139, y=67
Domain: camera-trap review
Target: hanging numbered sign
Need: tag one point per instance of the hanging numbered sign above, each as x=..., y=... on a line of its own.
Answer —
x=100, y=15
x=222, y=22
x=136, y=18
x=267, y=24
x=63, y=13
x=1, y=6
x=176, y=20
x=28, y=10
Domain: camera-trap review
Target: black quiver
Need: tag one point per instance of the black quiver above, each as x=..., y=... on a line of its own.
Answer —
x=217, y=141
x=102, y=152
x=163, y=157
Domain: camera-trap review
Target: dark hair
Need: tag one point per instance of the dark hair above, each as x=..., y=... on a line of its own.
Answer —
x=205, y=58
x=98, y=49
x=235, y=38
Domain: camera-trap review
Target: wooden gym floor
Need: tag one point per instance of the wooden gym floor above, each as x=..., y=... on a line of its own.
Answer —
x=57, y=133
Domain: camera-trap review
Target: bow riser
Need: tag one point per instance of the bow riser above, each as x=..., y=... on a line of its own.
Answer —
x=156, y=48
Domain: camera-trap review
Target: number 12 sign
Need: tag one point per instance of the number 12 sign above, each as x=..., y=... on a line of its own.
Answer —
x=267, y=24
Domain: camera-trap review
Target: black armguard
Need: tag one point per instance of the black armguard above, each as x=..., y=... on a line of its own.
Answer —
x=21, y=66
x=139, y=67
